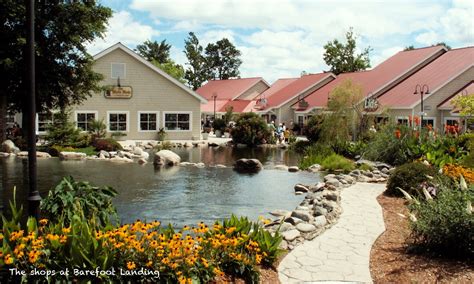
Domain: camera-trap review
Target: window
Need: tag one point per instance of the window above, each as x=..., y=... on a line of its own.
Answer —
x=84, y=119
x=451, y=121
x=147, y=121
x=428, y=121
x=402, y=120
x=300, y=120
x=118, y=121
x=42, y=122
x=178, y=121
x=118, y=70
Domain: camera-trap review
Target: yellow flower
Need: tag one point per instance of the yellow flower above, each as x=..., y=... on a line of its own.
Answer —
x=33, y=256
x=131, y=265
x=43, y=222
x=1, y=237
x=218, y=272
x=149, y=263
x=66, y=230
x=8, y=259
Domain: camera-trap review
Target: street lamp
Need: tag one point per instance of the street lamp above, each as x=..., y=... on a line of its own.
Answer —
x=422, y=90
x=214, y=97
x=34, y=197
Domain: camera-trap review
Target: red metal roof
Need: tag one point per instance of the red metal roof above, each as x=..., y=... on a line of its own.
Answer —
x=239, y=106
x=379, y=77
x=446, y=105
x=435, y=75
x=209, y=106
x=276, y=86
x=294, y=88
x=227, y=89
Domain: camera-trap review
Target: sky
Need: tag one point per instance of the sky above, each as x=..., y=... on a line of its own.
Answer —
x=282, y=38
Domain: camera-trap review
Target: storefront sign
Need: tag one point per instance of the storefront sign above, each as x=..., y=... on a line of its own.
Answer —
x=118, y=92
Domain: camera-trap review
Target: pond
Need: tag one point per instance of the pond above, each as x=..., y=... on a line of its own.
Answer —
x=178, y=195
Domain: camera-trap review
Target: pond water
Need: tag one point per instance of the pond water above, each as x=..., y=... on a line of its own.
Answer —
x=178, y=195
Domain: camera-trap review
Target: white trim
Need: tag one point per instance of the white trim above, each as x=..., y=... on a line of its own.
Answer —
x=96, y=115
x=118, y=112
x=449, y=80
x=146, y=112
x=151, y=66
x=404, y=118
x=458, y=118
x=37, y=122
x=124, y=70
x=429, y=117
x=178, y=112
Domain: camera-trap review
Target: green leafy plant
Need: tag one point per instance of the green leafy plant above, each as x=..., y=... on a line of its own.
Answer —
x=219, y=124
x=443, y=225
x=315, y=154
x=97, y=128
x=165, y=145
x=162, y=134
x=250, y=129
x=409, y=177
x=62, y=132
x=70, y=197
x=335, y=162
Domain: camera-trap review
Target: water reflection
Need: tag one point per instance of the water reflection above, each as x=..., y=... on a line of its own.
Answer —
x=179, y=195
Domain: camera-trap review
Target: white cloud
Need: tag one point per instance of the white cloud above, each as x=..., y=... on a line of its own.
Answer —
x=122, y=28
x=215, y=35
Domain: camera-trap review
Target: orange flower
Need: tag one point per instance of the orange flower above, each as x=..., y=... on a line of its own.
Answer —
x=398, y=133
x=131, y=265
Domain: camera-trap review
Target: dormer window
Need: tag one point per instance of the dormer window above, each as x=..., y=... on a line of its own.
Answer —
x=118, y=70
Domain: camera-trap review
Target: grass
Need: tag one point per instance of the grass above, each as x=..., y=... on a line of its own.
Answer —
x=335, y=162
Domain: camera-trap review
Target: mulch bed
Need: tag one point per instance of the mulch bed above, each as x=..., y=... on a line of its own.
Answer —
x=391, y=263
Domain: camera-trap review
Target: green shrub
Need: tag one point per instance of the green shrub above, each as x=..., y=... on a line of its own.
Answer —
x=299, y=146
x=468, y=142
x=313, y=128
x=387, y=148
x=55, y=150
x=409, y=177
x=107, y=144
x=165, y=145
x=98, y=129
x=315, y=154
x=70, y=197
x=219, y=124
x=365, y=167
x=62, y=132
x=336, y=162
x=445, y=225
x=250, y=129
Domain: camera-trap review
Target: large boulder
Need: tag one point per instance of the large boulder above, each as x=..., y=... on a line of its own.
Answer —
x=248, y=166
x=167, y=158
x=24, y=154
x=9, y=147
x=72, y=156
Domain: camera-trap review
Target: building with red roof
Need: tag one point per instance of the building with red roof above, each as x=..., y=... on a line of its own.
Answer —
x=275, y=103
x=221, y=94
x=444, y=78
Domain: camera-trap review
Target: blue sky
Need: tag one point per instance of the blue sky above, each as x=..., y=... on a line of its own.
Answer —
x=281, y=38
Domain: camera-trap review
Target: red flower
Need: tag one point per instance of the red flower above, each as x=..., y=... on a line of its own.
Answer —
x=398, y=133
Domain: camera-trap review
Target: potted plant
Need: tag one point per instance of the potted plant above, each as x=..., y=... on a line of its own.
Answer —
x=219, y=126
x=227, y=132
x=162, y=134
x=205, y=133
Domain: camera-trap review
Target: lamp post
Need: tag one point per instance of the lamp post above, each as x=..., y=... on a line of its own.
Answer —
x=422, y=90
x=214, y=97
x=33, y=195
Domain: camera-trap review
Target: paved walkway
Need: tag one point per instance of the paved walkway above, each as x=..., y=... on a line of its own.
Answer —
x=341, y=253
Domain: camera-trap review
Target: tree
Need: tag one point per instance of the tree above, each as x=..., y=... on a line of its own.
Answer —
x=465, y=104
x=197, y=72
x=64, y=74
x=442, y=43
x=175, y=70
x=342, y=57
x=223, y=59
x=154, y=51
x=410, y=47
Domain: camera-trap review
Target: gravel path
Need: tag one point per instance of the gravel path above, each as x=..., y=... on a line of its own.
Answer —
x=342, y=253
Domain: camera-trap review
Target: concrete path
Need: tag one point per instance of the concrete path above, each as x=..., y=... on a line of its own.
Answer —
x=341, y=253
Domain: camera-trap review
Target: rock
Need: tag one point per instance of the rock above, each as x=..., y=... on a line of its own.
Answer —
x=305, y=227
x=293, y=169
x=248, y=166
x=301, y=188
x=220, y=166
x=186, y=145
x=280, y=213
x=142, y=161
x=104, y=153
x=283, y=245
x=329, y=176
x=166, y=158
x=317, y=187
x=291, y=235
x=299, y=193
x=314, y=168
x=71, y=156
x=43, y=155
x=355, y=173
x=148, y=147
x=4, y=155
x=240, y=145
x=366, y=162
x=281, y=167
x=285, y=226
x=152, y=143
x=293, y=220
x=363, y=178
x=385, y=171
x=212, y=144
x=24, y=154
x=320, y=221
x=381, y=166
x=331, y=195
x=200, y=165
x=121, y=160
x=329, y=205
x=184, y=164
x=333, y=182
x=137, y=151
x=145, y=155
x=9, y=147
x=300, y=214
x=349, y=179
x=319, y=211
x=302, y=207
x=368, y=174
